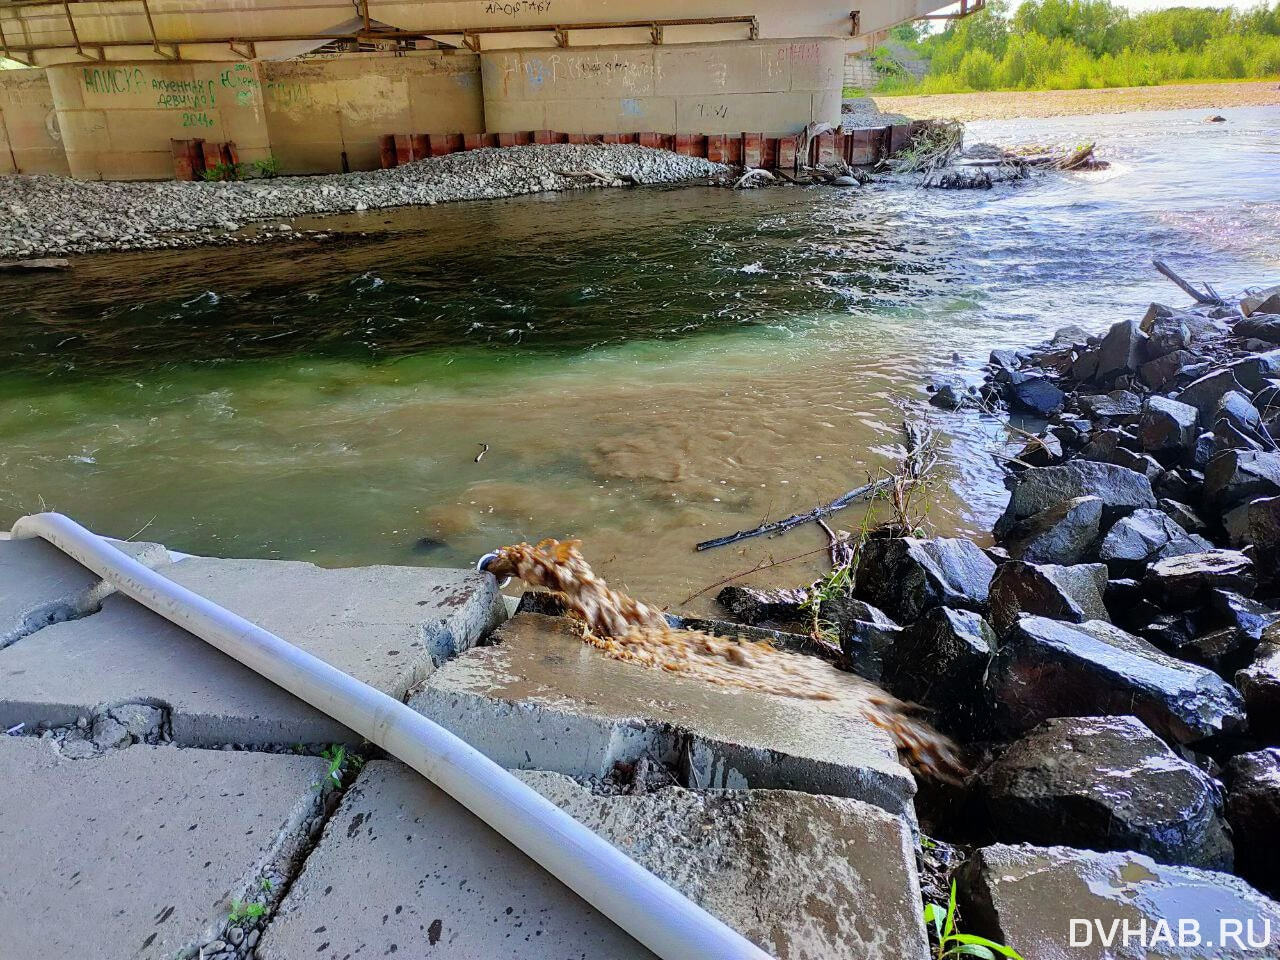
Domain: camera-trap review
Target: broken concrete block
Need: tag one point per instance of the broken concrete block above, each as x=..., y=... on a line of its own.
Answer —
x=42, y=585
x=387, y=626
x=1038, y=899
x=801, y=875
x=140, y=851
x=410, y=869
x=539, y=698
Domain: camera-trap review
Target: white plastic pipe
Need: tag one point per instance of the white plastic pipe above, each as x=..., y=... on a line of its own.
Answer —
x=653, y=913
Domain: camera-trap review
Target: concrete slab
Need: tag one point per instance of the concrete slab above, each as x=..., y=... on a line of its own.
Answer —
x=388, y=626
x=138, y=853
x=40, y=585
x=541, y=699
x=803, y=876
x=402, y=869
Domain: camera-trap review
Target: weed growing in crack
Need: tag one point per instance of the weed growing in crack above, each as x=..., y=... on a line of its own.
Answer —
x=241, y=911
x=953, y=944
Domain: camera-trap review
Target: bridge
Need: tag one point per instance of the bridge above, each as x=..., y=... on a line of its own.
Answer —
x=314, y=86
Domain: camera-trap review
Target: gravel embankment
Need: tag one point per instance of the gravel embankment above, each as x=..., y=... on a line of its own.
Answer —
x=1004, y=105
x=41, y=216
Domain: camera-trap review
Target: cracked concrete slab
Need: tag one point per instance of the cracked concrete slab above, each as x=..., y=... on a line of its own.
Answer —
x=138, y=853
x=539, y=698
x=387, y=626
x=402, y=868
x=40, y=585
x=803, y=876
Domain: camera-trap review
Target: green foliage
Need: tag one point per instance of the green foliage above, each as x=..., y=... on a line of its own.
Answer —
x=1072, y=44
x=245, y=911
x=222, y=171
x=340, y=764
x=267, y=167
x=952, y=943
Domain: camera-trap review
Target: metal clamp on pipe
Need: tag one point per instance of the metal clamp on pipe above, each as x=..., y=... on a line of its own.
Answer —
x=659, y=917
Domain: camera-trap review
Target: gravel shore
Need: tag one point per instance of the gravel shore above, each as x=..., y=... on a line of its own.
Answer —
x=58, y=215
x=1062, y=103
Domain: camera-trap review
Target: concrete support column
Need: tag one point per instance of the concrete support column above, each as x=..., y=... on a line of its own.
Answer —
x=117, y=118
x=774, y=87
x=30, y=141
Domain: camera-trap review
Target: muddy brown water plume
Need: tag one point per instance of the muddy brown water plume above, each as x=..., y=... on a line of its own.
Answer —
x=627, y=629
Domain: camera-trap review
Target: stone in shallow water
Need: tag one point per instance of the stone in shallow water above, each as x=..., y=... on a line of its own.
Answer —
x=1121, y=490
x=1061, y=534
x=906, y=576
x=1033, y=898
x=755, y=606
x=1034, y=394
x=1072, y=593
x=1046, y=668
x=1106, y=783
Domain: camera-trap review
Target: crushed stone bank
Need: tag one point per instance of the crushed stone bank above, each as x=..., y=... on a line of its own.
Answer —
x=42, y=215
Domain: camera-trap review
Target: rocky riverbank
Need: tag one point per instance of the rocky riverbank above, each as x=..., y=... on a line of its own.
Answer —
x=45, y=216
x=1112, y=664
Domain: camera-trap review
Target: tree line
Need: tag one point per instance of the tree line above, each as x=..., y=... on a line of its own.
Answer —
x=1072, y=44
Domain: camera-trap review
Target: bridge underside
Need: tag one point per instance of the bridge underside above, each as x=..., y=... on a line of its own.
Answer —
x=318, y=84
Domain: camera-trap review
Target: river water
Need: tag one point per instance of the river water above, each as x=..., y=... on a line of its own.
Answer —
x=648, y=368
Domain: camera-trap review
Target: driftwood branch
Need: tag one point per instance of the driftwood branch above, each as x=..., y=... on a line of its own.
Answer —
x=1186, y=288
x=796, y=519
x=917, y=440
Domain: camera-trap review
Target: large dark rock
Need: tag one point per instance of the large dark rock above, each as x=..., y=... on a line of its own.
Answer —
x=1116, y=405
x=754, y=606
x=1234, y=476
x=1005, y=359
x=1237, y=424
x=1262, y=326
x=866, y=634
x=1071, y=593
x=1134, y=540
x=1255, y=371
x=1120, y=489
x=1166, y=335
x=1034, y=394
x=1045, y=668
x=1120, y=351
x=1253, y=810
x=1206, y=393
x=1061, y=534
x=1156, y=374
x=1037, y=900
x=1129, y=605
x=905, y=576
x=1182, y=515
x=1167, y=425
x=1188, y=579
x=940, y=662
x=1120, y=448
x=1232, y=610
x=1106, y=783
x=1260, y=684
x=1264, y=534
